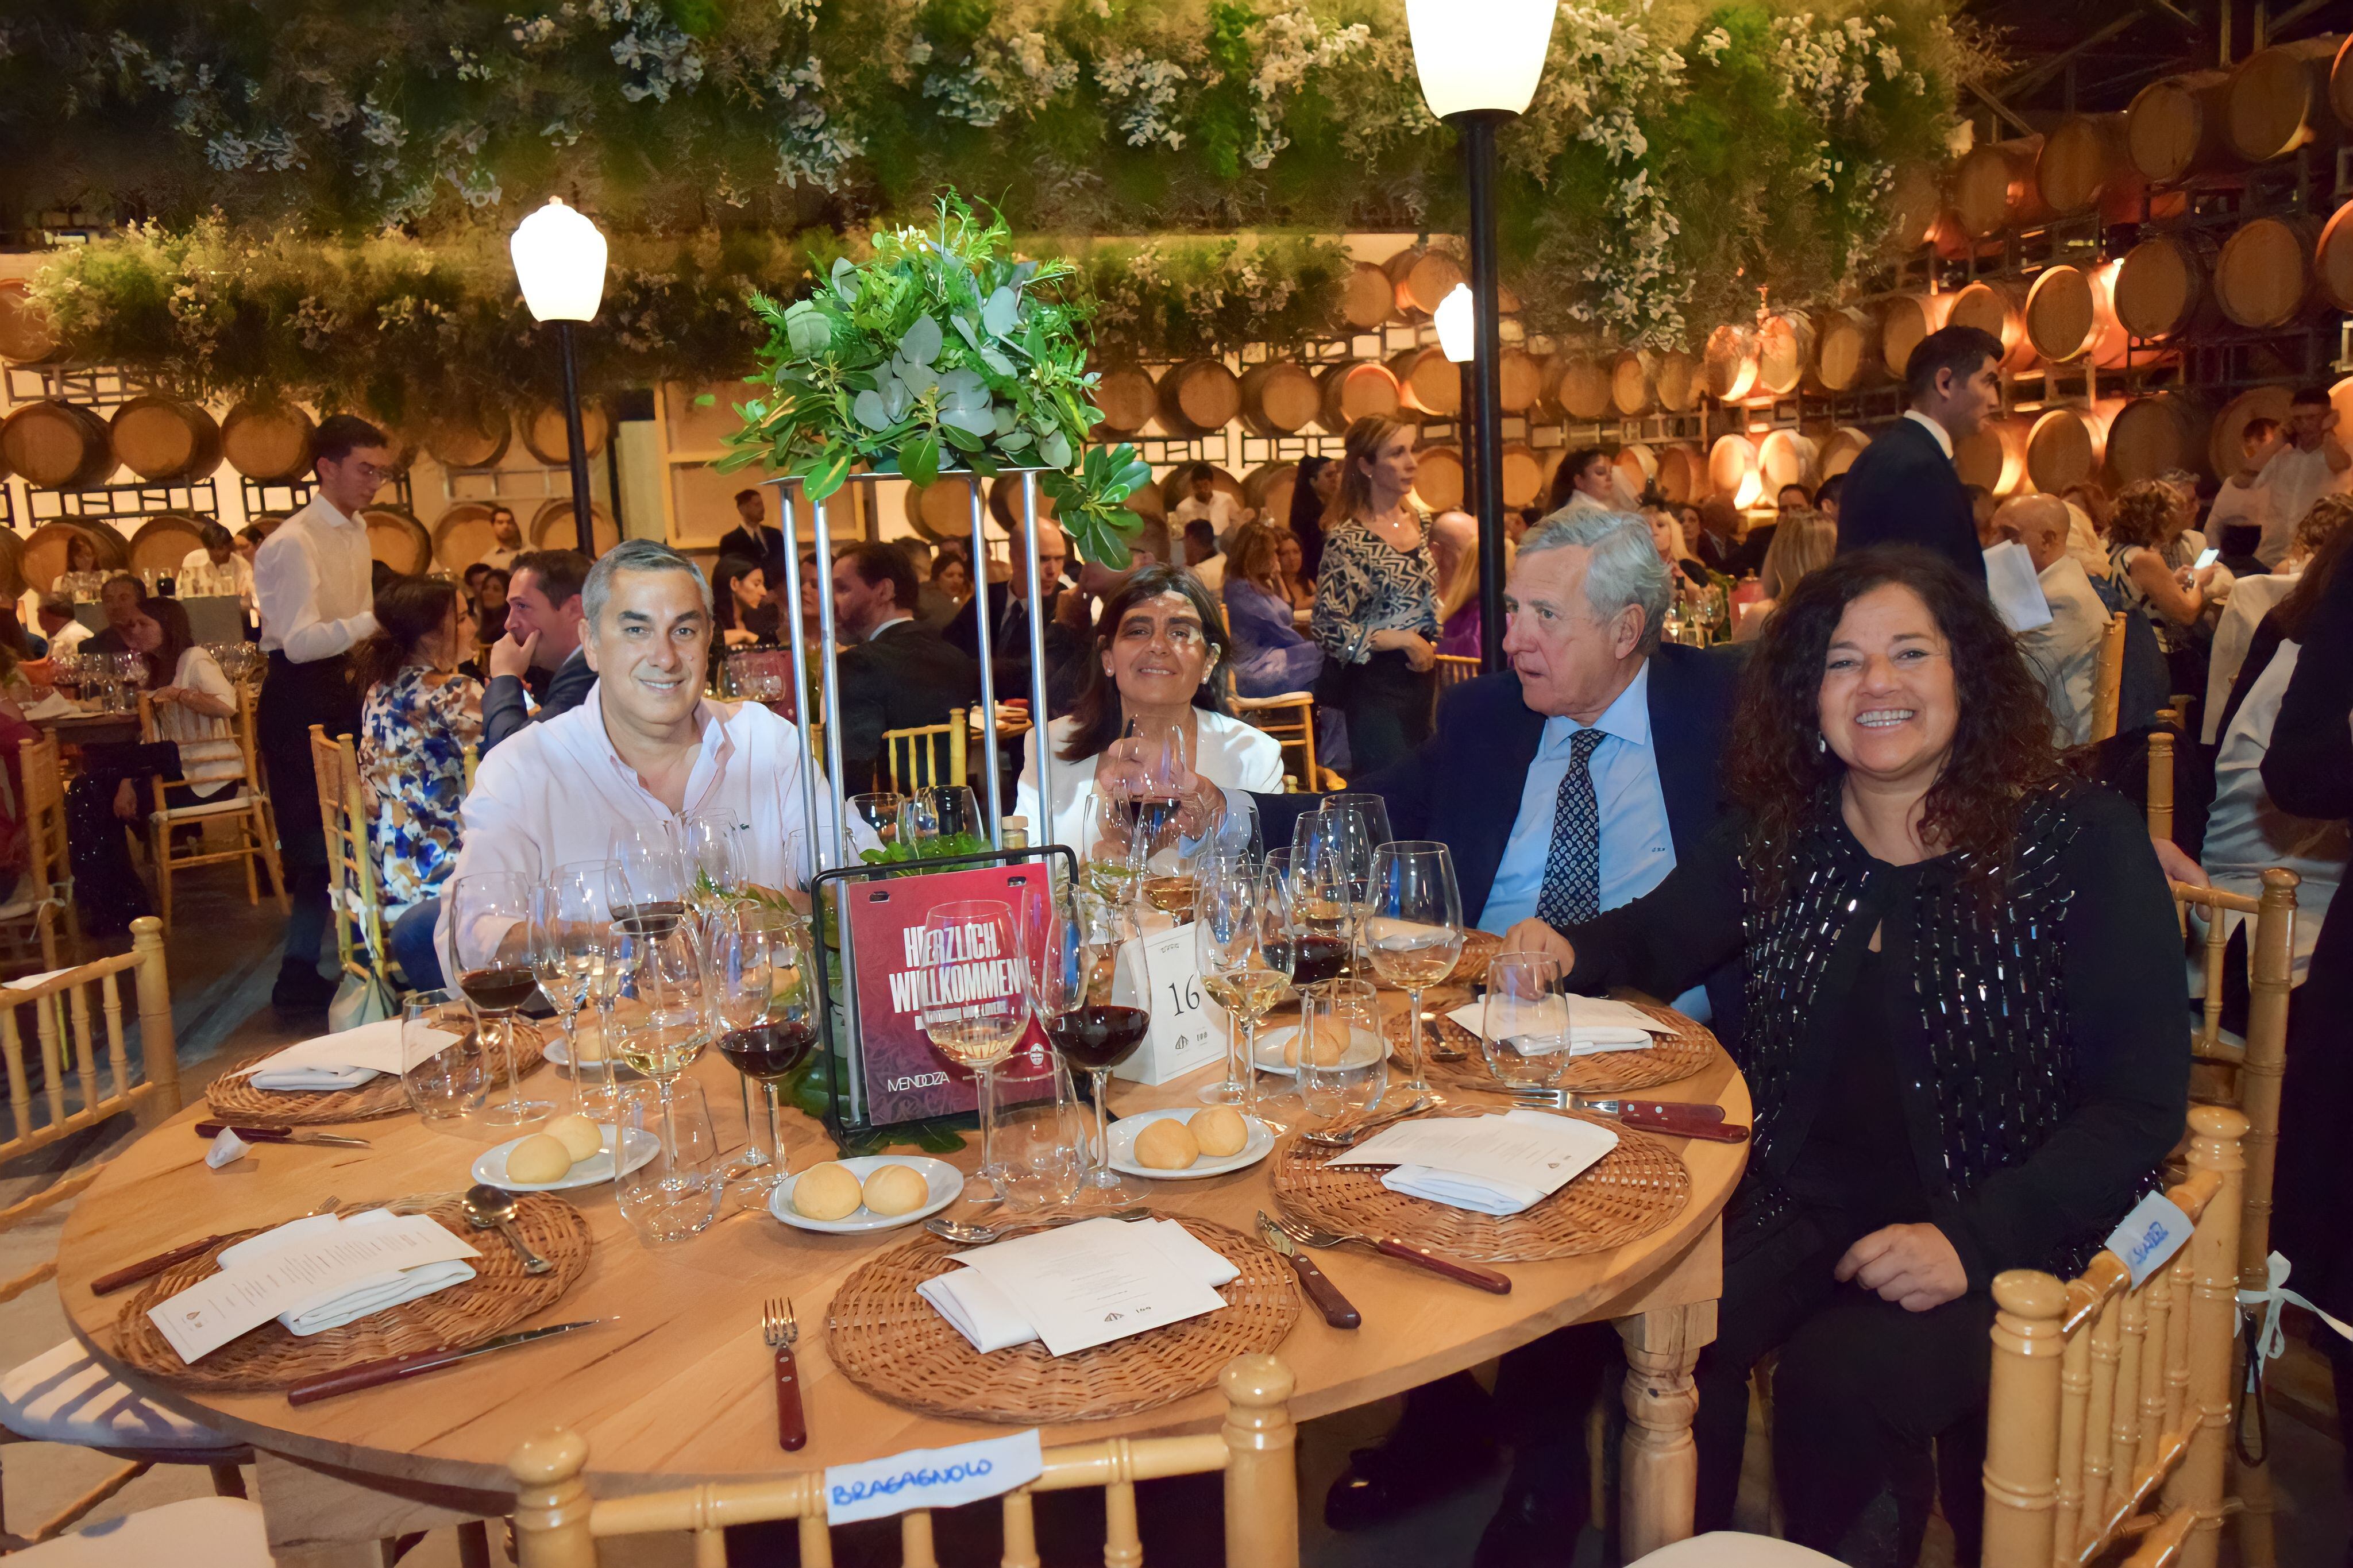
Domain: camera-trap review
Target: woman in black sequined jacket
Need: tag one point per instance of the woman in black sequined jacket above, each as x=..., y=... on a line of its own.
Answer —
x=1964, y=1033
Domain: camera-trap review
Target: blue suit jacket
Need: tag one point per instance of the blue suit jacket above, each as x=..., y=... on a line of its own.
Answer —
x=1462, y=787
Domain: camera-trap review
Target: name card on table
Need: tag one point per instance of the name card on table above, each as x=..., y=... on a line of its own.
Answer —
x=1187, y=1030
x=2150, y=1236
x=932, y=1478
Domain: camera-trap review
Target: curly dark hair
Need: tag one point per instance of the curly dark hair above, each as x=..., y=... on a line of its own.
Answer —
x=1777, y=769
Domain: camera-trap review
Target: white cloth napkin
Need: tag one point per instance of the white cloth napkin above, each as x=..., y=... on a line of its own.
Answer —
x=1594, y=1023
x=984, y=1315
x=344, y=1060
x=355, y=1299
x=1488, y=1195
x=53, y=706
x=310, y=1080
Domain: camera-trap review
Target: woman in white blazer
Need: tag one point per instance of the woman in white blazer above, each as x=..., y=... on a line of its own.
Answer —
x=1160, y=662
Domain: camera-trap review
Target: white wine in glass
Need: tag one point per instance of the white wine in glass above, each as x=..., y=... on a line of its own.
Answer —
x=1248, y=994
x=1169, y=894
x=976, y=1031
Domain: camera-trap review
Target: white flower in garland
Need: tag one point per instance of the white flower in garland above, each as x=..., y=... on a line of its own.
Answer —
x=1142, y=89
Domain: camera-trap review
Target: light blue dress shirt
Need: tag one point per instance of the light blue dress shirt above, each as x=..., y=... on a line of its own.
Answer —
x=1638, y=849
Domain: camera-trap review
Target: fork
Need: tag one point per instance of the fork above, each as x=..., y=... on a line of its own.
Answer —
x=1454, y=1269
x=1355, y=1133
x=966, y=1235
x=781, y=1330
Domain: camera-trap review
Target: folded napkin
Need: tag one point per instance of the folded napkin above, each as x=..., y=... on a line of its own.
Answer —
x=344, y=1060
x=353, y=1299
x=309, y=1078
x=1492, y=1194
x=1591, y=1024
x=985, y=1316
x=53, y=707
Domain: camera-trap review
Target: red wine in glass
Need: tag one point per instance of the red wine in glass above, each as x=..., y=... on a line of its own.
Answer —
x=500, y=988
x=1314, y=959
x=769, y=1052
x=1098, y=1038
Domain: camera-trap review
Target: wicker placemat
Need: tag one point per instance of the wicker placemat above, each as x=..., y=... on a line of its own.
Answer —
x=1637, y=1187
x=1674, y=1056
x=232, y=1096
x=891, y=1343
x=1478, y=947
x=496, y=1298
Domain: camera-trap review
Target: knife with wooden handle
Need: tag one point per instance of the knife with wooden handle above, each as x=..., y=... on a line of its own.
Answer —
x=279, y=1134
x=1660, y=1118
x=1454, y=1269
x=392, y=1369
x=147, y=1268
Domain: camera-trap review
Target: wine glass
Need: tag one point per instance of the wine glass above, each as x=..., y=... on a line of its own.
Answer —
x=1523, y=1026
x=880, y=812
x=1074, y=963
x=1372, y=808
x=761, y=1012
x=656, y=1021
x=1238, y=935
x=710, y=852
x=675, y=1193
x=569, y=914
x=1325, y=897
x=442, y=1068
x=649, y=876
x=1413, y=929
x=486, y=926
x=1113, y=868
x=977, y=956
x=937, y=812
x=1354, y=1083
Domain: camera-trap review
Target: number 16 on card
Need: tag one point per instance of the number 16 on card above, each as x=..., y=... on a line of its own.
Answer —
x=1186, y=1032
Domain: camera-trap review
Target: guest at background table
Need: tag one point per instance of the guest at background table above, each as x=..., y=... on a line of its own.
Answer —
x=64, y=634
x=121, y=599
x=1719, y=545
x=1202, y=557
x=2149, y=518
x=1584, y=483
x=542, y=645
x=1827, y=498
x=1683, y=572
x=1906, y=837
x=896, y=672
x=417, y=717
x=1802, y=541
x=2243, y=499
x=2308, y=771
x=753, y=538
x=812, y=612
x=1007, y=604
x=1298, y=586
x=1376, y=612
x=1269, y=654
x=1317, y=481
x=1205, y=501
x=748, y=613
x=1160, y=662
x=950, y=587
x=489, y=617
x=213, y=569
x=2065, y=651
x=312, y=586
x=647, y=749
x=1572, y=783
x=1454, y=566
x=2312, y=464
x=1902, y=488
x=506, y=539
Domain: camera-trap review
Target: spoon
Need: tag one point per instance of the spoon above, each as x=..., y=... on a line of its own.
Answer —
x=1348, y=1137
x=964, y=1235
x=487, y=1205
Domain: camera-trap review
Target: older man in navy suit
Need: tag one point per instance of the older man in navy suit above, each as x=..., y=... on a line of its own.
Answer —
x=1568, y=786
x=1903, y=490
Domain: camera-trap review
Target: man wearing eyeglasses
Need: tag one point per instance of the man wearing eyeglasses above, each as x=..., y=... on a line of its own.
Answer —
x=311, y=582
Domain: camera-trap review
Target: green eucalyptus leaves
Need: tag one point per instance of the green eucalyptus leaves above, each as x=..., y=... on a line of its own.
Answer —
x=941, y=353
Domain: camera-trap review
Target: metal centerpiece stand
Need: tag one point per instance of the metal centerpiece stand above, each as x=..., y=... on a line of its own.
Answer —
x=831, y=860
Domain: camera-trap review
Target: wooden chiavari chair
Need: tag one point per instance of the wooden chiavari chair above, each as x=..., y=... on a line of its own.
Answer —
x=557, y=1525
x=1453, y=669
x=351, y=889
x=2108, y=690
x=2160, y=783
x=910, y=758
x=1290, y=717
x=2246, y=1075
x=81, y=1041
x=32, y=922
x=2110, y=1412
x=246, y=811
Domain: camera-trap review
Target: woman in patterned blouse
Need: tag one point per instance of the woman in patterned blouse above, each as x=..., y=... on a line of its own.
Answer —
x=418, y=720
x=1377, y=599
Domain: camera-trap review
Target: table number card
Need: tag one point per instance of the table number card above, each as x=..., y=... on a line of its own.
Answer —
x=932, y=1478
x=1188, y=1028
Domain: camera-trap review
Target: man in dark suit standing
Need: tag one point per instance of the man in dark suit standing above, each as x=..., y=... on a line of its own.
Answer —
x=1009, y=611
x=1567, y=786
x=543, y=640
x=897, y=673
x=752, y=540
x=1902, y=488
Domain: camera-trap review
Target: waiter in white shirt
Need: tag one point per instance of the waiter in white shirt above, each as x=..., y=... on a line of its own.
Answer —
x=646, y=747
x=2312, y=464
x=215, y=570
x=312, y=583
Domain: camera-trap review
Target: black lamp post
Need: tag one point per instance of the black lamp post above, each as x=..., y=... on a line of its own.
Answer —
x=1479, y=61
x=559, y=258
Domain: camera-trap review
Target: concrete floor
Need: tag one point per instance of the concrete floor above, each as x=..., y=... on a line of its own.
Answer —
x=223, y=962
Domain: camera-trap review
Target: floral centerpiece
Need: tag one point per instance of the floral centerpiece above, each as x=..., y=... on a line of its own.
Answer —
x=942, y=352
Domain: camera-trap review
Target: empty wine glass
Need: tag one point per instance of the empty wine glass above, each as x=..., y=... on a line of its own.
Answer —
x=1074, y=963
x=1239, y=937
x=1372, y=808
x=1524, y=1025
x=486, y=929
x=675, y=1194
x=569, y=916
x=1413, y=929
x=979, y=976
x=879, y=810
x=1352, y=1082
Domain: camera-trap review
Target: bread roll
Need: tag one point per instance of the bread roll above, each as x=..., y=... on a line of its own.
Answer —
x=896, y=1190
x=1325, y=1041
x=1220, y=1131
x=582, y=1139
x=587, y=1038
x=826, y=1191
x=1166, y=1145
x=538, y=1160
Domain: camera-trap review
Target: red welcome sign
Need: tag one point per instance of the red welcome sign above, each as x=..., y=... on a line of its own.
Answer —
x=906, y=1078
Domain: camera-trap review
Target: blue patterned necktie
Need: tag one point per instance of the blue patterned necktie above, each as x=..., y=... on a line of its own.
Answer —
x=1572, y=880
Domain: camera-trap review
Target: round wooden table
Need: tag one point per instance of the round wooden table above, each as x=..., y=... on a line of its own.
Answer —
x=679, y=1389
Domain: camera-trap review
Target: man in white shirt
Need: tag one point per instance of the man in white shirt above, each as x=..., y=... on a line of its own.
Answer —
x=312, y=585
x=646, y=749
x=2312, y=464
x=1202, y=557
x=2244, y=500
x=2065, y=651
x=509, y=535
x=215, y=570
x=1207, y=502
x=64, y=633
